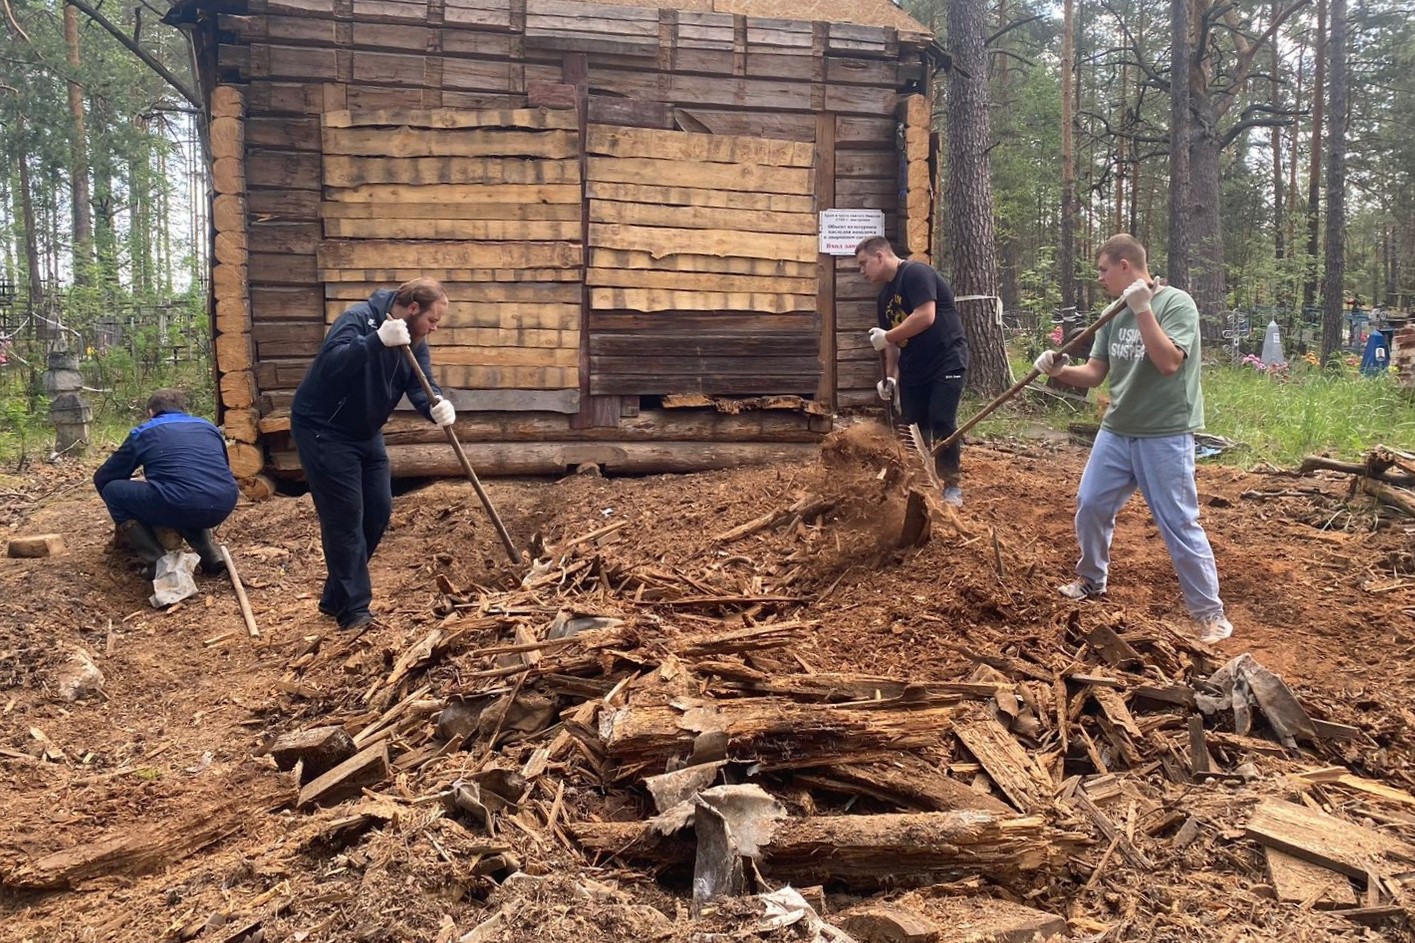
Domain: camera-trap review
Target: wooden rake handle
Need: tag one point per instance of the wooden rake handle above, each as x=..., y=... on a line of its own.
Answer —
x=1075, y=343
x=462, y=457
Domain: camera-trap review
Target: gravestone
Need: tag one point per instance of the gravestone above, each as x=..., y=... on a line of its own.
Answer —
x=67, y=410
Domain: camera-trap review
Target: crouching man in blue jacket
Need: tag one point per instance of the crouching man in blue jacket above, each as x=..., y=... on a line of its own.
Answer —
x=188, y=486
x=337, y=420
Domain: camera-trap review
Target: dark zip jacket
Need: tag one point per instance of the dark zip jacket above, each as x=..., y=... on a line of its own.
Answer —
x=355, y=382
x=183, y=457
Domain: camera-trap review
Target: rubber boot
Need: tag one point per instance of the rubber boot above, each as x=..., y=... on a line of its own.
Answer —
x=142, y=541
x=201, y=541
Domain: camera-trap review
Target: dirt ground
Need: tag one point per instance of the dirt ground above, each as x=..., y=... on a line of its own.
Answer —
x=1319, y=585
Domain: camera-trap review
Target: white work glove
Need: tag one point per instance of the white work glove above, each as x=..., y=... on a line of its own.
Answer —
x=1051, y=362
x=877, y=340
x=1138, y=295
x=394, y=333
x=442, y=412
x=886, y=389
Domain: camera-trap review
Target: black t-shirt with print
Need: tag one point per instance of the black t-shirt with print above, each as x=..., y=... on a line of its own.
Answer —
x=942, y=348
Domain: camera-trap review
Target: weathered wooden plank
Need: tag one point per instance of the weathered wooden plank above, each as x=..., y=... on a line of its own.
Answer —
x=699, y=217
x=879, y=72
x=726, y=345
x=657, y=329
x=665, y=369
x=508, y=356
x=281, y=268
x=734, y=265
x=649, y=425
x=698, y=281
x=682, y=145
x=499, y=337
x=471, y=13
x=770, y=124
x=1297, y=882
x=282, y=204
x=286, y=237
x=693, y=196
x=404, y=272
x=468, y=194
x=446, y=211
x=283, y=132
x=482, y=75
x=380, y=253
x=292, y=170
x=478, y=229
x=702, y=174
x=470, y=292
x=867, y=164
x=660, y=241
x=380, y=142
x=477, y=377
x=510, y=315
x=658, y=299
x=1328, y=841
x=346, y=171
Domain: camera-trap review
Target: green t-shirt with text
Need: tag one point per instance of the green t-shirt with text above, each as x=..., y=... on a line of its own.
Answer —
x=1143, y=402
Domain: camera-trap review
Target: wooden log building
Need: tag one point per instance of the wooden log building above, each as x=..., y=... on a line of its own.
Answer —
x=622, y=201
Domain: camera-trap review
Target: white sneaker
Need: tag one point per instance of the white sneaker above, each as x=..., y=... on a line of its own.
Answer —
x=1214, y=629
x=1081, y=588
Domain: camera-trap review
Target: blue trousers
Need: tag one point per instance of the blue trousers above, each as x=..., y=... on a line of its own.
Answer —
x=129, y=500
x=1163, y=469
x=353, y=496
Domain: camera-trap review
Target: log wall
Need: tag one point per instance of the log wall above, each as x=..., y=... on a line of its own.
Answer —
x=621, y=200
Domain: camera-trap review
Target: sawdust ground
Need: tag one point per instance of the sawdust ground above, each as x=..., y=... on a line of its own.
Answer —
x=188, y=694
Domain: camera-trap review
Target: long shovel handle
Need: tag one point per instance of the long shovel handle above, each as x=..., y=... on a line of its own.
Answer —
x=1075, y=343
x=462, y=457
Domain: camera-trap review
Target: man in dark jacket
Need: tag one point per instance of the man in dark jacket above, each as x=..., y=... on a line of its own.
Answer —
x=188, y=487
x=337, y=419
x=925, y=351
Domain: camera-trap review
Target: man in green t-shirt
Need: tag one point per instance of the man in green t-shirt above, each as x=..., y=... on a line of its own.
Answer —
x=1150, y=352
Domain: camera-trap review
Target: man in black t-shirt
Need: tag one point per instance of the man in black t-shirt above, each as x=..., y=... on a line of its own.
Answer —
x=925, y=350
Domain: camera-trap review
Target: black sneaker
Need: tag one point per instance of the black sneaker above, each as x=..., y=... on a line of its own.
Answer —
x=358, y=622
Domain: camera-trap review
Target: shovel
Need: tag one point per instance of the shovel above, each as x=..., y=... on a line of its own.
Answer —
x=1075, y=343
x=466, y=465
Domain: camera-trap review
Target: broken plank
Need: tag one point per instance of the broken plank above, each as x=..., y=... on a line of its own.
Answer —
x=1297, y=882
x=1114, y=649
x=909, y=781
x=1328, y=841
x=888, y=924
x=348, y=778
x=1004, y=760
x=320, y=749
x=1108, y=828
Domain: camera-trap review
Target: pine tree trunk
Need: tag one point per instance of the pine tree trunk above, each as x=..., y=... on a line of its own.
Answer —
x=1067, y=257
x=1333, y=294
x=32, y=272
x=1180, y=121
x=1203, y=223
x=78, y=162
x=970, y=199
x=1314, y=172
x=1275, y=90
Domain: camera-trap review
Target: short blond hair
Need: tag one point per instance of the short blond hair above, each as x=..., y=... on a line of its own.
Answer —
x=1124, y=247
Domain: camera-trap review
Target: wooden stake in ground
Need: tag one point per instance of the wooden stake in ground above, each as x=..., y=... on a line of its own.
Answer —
x=240, y=593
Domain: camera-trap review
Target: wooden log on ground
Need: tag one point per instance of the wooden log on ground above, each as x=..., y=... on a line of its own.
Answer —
x=1328, y=841
x=774, y=733
x=866, y=851
x=1389, y=494
x=150, y=846
x=908, y=781
x=37, y=545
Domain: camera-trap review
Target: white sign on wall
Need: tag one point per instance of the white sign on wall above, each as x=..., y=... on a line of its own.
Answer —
x=842, y=230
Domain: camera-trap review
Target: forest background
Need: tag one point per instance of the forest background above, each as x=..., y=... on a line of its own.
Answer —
x=1263, y=149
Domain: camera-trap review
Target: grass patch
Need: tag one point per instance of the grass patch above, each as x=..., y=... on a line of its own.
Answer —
x=1277, y=418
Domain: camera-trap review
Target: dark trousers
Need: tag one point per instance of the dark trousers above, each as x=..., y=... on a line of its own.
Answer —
x=130, y=500
x=353, y=496
x=934, y=407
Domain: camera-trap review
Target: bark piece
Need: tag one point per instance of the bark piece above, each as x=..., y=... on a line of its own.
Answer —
x=320, y=748
x=1114, y=649
x=1328, y=841
x=38, y=545
x=347, y=779
x=908, y=781
x=1298, y=881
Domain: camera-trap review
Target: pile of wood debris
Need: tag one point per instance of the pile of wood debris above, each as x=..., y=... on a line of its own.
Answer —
x=613, y=746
